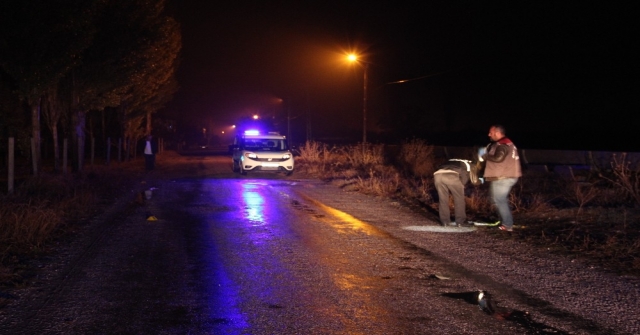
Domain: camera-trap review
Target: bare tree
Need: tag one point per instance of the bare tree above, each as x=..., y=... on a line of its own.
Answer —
x=40, y=41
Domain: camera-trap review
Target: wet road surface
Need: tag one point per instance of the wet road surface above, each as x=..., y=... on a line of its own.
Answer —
x=268, y=254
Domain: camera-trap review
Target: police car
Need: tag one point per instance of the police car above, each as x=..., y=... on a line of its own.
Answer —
x=257, y=151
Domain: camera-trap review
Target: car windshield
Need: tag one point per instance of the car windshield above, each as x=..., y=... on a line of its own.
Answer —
x=261, y=144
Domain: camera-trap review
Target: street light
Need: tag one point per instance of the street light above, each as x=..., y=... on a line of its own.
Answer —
x=354, y=59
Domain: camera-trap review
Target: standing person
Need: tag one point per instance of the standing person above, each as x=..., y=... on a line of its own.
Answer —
x=450, y=179
x=502, y=170
x=150, y=150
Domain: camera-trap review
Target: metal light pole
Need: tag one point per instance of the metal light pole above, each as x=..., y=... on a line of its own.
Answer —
x=364, y=106
x=354, y=59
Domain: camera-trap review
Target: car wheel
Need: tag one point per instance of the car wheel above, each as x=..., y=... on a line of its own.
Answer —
x=242, y=171
x=289, y=173
x=236, y=166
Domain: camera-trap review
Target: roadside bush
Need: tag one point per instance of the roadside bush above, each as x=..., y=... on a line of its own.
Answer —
x=421, y=189
x=27, y=226
x=416, y=158
x=382, y=181
x=625, y=176
x=313, y=159
x=312, y=152
x=362, y=156
x=40, y=207
x=580, y=193
x=478, y=201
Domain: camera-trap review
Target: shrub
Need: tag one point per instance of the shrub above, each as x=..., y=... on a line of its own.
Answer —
x=478, y=201
x=416, y=158
x=27, y=226
x=362, y=155
x=312, y=152
x=311, y=159
x=381, y=182
x=420, y=189
x=625, y=177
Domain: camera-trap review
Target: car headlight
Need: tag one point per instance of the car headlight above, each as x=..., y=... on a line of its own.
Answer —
x=286, y=156
x=251, y=155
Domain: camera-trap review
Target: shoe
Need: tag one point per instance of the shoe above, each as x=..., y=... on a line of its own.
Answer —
x=505, y=228
x=485, y=224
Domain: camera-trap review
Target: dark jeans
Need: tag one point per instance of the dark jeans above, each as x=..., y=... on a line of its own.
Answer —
x=449, y=183
x=149, y=162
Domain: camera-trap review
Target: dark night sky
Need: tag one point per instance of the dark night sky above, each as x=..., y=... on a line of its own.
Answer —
x=556, y=74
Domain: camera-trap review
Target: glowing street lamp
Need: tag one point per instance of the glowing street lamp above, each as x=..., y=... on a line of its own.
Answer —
x=353, y=58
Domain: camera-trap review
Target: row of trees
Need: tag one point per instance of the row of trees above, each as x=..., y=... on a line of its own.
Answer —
x=62, y=59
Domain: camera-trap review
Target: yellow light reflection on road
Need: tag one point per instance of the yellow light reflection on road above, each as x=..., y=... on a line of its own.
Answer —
x=348, y=281
x=347, y=221
x=360, y=286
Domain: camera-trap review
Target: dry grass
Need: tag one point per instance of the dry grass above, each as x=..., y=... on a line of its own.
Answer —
x=27, y=226
x=313, y=152
x=585, y=213
x=416, y=158
x=313, y=159
x=362, y=156
x=625, y=176
x=380, y=182
x=478, y=201
x=42, y=208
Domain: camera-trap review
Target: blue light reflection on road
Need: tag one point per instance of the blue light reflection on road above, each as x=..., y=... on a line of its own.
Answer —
x=226, y=316
x=254, y=203
x=238, y=256
x=260, y=214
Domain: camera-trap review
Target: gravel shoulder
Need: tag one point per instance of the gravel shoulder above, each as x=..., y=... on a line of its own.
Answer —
x=555, y=290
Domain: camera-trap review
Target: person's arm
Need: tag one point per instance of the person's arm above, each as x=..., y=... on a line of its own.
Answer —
x=464, y=176
x=498, y=155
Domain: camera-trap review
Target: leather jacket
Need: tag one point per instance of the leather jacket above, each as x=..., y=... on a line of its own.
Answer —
x=502, y=160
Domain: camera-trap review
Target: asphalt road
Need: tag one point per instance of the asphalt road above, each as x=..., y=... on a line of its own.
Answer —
x=269, y=254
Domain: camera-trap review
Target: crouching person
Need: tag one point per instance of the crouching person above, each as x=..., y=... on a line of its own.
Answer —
x=450, y=179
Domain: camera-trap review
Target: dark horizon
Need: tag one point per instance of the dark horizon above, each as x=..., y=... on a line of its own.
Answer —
x=557, y=76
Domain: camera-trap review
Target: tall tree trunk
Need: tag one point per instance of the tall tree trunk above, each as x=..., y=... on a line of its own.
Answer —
x=35, y=133
x=78, y=133
x=149, y=128
x=104, y=126
x=56, y=148
x=50, y=110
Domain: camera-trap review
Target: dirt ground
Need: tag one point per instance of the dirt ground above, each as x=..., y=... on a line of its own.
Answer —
x=606, y=237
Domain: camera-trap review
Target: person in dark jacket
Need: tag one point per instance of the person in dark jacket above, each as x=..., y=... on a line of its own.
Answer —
x=502, y=171
x=150, y=151
x=450, y=179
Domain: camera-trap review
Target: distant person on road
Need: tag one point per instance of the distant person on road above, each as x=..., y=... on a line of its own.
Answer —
x=450, y=179
x=150, y=150
x=502, y=170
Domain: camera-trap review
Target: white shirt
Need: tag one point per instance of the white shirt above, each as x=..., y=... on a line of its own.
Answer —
x=147, y=149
